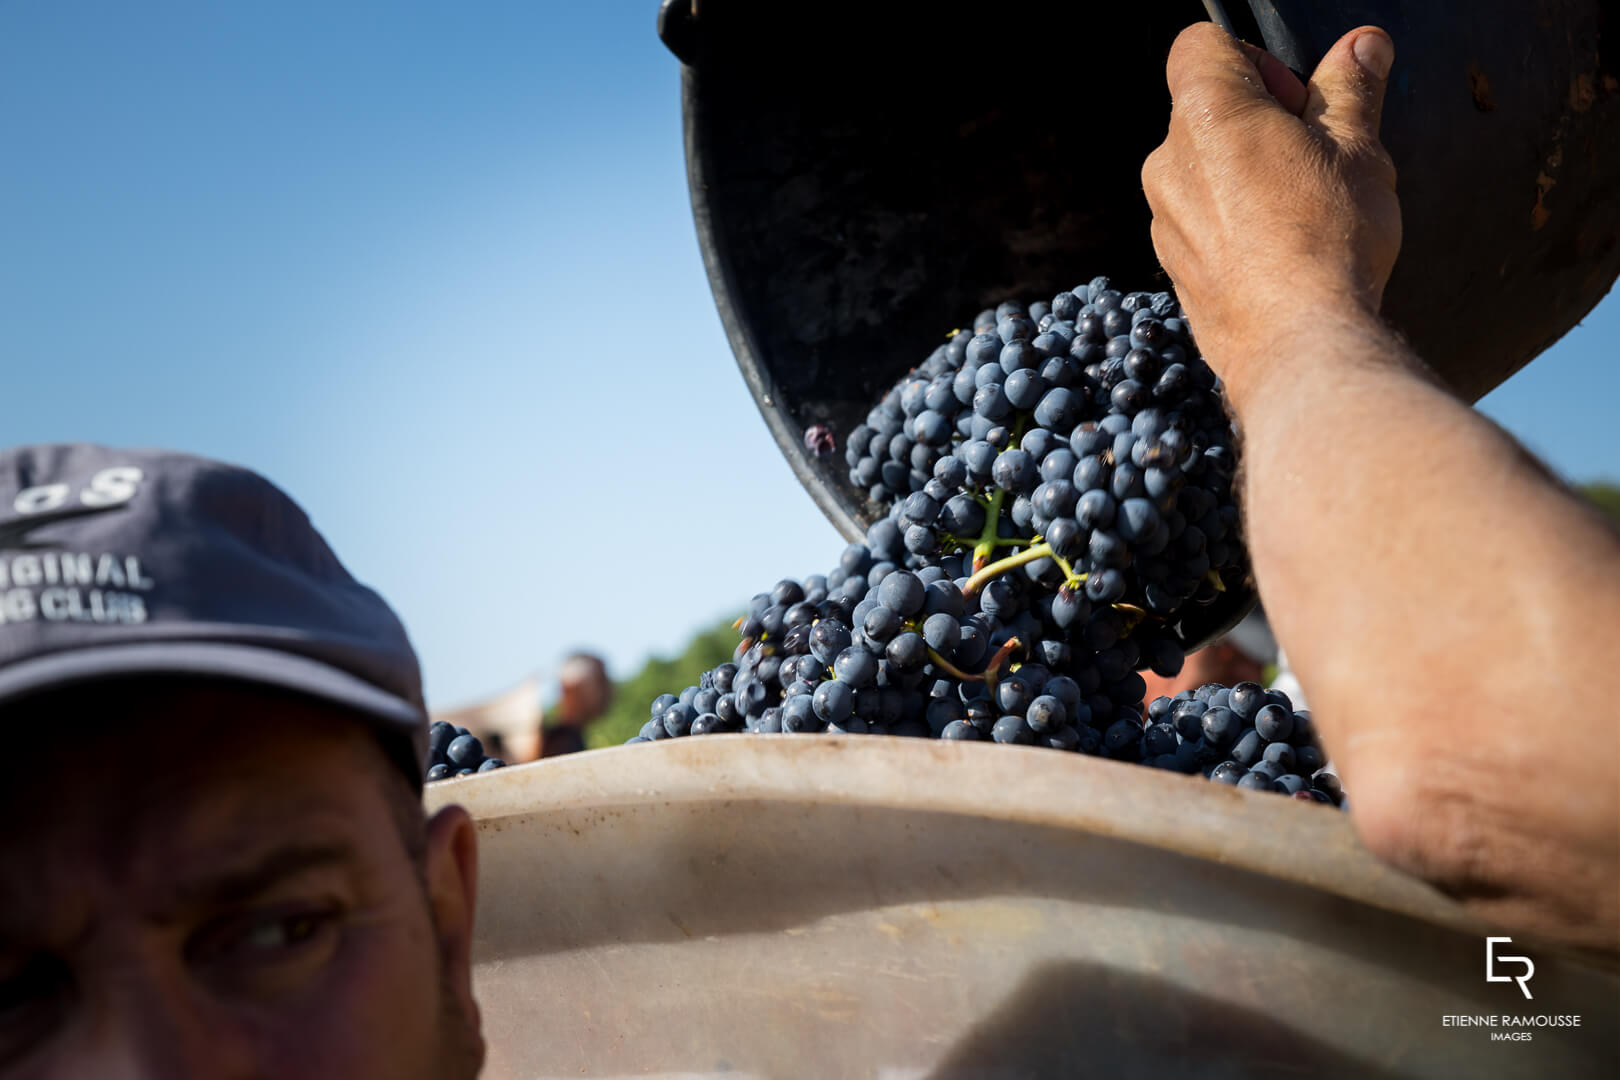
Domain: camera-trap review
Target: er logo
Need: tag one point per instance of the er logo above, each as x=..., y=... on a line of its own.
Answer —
x=1491, y=958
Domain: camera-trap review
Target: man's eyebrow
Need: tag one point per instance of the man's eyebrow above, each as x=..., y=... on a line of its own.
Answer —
x=236, y=886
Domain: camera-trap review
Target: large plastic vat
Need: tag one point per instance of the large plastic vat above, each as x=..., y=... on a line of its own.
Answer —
x=875, y=907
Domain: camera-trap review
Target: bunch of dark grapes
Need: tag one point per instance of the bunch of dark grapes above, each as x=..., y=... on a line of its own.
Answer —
x=1243, y=735
x=1054, y=493
x=454, y=751
x=1086, y=437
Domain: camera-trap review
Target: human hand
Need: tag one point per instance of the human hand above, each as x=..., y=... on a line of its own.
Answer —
x=1272, y=202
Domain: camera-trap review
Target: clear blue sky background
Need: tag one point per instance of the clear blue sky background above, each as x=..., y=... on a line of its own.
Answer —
x=431, y=267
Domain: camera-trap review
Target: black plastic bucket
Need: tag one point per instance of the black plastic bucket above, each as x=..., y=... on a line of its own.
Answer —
x=865, y=178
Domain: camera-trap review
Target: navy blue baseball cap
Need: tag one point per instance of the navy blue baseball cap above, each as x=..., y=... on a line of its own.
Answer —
x=118, y=563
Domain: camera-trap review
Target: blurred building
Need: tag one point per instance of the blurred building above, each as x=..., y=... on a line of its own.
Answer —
x=508, y=724
x=514, y=727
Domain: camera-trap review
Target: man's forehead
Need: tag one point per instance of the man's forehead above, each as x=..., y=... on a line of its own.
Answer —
x=162, y=877
x=133, y=729
x=194, y=778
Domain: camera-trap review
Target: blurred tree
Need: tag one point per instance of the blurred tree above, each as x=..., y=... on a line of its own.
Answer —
x=1605, y=495
x=632, y=697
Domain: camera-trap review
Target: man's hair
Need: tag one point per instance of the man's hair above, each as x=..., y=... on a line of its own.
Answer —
x=93, y=706
x=582, y=667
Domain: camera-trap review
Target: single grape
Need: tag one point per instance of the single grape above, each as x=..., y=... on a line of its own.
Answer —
x=1222, y=728
x=1280, y=755
x=902, y=593
x=907, y=652
x=1274, y=723
x=1247, y=698
x=1012, y=729
x=678, y=719
x=1308, y=759
x=833, y=701
x=1160, y=739
x=440, y=736
x=1046, y=714
x=464, y=751
x=943, y=633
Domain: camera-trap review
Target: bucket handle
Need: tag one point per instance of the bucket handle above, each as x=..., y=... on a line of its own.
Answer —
x=1279, y=40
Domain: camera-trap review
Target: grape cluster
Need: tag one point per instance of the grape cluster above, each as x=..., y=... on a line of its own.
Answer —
x=1053, y=492
x=1086, y=434
x=1243, y=735
x=912, y=658
x=454, y=751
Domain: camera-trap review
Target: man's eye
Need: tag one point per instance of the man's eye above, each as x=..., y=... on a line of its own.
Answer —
x=263, y=955
x=283, y=932
x=274, y=936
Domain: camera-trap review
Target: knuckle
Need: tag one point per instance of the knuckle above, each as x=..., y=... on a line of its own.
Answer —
x=1160, y=238
x=1167, y=243
x=1379, y=163
x=1363, y=161
x=1155, y=168
x=1198, y=38
x=1193, y=49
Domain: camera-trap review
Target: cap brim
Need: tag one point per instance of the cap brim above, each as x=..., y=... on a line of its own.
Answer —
x=244, y=663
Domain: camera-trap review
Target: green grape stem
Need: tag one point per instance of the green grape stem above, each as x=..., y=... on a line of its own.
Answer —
x=992, y=670
x=952, y=542
x=985, y=575
x=986, y=545
x=1072, y=579
x=989, y=537
x=951, y=669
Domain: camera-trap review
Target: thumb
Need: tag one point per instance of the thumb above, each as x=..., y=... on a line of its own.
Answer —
x=1345, y=97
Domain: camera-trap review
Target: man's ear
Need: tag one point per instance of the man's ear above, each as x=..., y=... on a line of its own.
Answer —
x=451, y=869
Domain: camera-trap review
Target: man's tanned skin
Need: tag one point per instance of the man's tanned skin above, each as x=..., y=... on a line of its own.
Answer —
x=1451, y=610
x=225, y=882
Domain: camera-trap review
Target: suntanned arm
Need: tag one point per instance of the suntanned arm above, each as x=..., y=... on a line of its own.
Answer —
x=1452, y=611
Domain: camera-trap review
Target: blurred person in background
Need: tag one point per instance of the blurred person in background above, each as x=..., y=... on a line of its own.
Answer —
x=586, y=694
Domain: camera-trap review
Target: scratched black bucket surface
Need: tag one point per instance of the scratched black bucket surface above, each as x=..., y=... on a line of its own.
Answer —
x=865, y=179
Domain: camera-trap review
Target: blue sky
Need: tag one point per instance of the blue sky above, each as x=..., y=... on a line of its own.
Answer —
x=431, y=267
